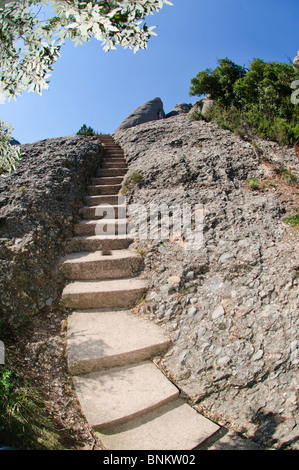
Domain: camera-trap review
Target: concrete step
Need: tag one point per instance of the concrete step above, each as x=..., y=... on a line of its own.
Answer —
x=114, y=153
x=103, y=294
x=101, y=227
x=106, y=339
x=94, y=243
x=173, y=426
x=102, y=211
x=95, y=265
x=103, y=189
x=109, y=181
x=111, y=172
x=104, y=200
x=120, y=394
x=114, y=160
x=113, y=166
x=107, y=138
x=229, y=440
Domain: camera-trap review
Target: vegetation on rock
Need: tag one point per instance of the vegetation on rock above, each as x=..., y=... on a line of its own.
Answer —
x=254, y=101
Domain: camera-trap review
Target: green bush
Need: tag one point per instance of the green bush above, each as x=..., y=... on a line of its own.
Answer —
x=293, y=220
x=9, y=154
x=252, y=102
x=24, y=419
x=87, y=131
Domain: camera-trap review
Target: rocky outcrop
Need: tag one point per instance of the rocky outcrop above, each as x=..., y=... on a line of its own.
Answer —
x=296, y=61
x=150, y=111
x=203, y=105
x=14, y=142
x=181, y=108
x=38, y=206
x=231, y=306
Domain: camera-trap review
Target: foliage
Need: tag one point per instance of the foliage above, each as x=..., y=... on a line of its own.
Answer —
x=254, y=183
x=133, y=180
x=218, y=83
x=257, y=101
x=9, y=154
x=293, y=220
x=24, y=420
x=30, y=40
x=87, y=131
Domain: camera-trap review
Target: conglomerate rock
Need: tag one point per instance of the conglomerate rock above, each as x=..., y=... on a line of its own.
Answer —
x=230, y=304
x=39, y=203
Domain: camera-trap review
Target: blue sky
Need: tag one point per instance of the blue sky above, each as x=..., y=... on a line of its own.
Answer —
x=100, y=89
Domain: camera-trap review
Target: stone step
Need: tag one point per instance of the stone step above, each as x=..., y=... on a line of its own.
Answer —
x=102, y=211
x=103, y=294
x=229, y=440
x=94, y=243
x=111, y=172
x=110, y=142
x=115, y=153
x=103, y=189
x=174, y=426
x=113, y=200
x=95, y=265
x=114, y=160
x=107, y=180
x=107, y=139
x=113, y=166
x=101, y=227
x=100, y=340
x=120, y=394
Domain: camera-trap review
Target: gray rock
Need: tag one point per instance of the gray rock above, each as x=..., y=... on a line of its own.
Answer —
x=182, y=108
x=150, y=111
x=14, y=141
x=37, y=201
x=296, y=61
x=207, y=104
x=236, y=354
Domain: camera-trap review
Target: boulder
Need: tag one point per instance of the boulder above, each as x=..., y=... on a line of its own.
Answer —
x=202, y=105
x=207, y=104
x=181, y=108
x=150, y=111
x=14, y=141
x=296, y=61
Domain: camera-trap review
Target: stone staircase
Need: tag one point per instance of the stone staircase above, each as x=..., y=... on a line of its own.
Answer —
x=125, y=398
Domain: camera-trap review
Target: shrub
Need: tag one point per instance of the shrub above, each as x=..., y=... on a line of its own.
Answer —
x=24, y=419
x=9, y=154
x=254, y=101
x=293, y=220
x=254, y=183
x=131, y=181
x=87, y=131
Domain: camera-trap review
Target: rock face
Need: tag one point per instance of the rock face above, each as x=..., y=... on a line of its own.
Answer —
x=38, y=203
x=14, y=142
x=203, y=105
x=231, y=305
x=182, y=108
x=207, y=104
x=150, y=111
x=296, y=61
